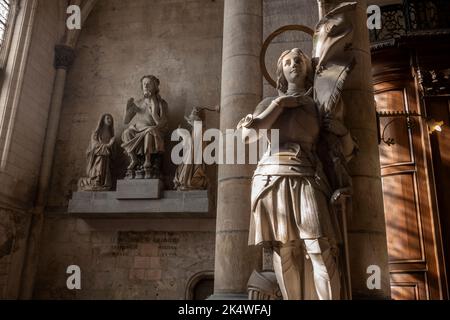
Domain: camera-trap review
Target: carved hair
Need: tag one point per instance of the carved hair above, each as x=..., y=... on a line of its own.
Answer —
x=282, y=83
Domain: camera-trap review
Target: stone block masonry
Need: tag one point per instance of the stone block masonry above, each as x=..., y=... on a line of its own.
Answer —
x=121, y=260
x=102, y=204
x=13, y=226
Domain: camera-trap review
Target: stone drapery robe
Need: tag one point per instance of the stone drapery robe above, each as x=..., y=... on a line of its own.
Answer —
x=145, y=126
x=98, y=168
x=290, y=193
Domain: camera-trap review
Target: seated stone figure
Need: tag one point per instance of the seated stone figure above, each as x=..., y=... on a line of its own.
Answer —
x=144, y=139
x=99, y=156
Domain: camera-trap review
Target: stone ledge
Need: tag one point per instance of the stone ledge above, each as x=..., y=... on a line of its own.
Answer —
x=139, y=189
x=172, y=204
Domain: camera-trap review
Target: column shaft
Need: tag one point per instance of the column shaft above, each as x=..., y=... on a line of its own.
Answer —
x=241, y=92
x=64, y=57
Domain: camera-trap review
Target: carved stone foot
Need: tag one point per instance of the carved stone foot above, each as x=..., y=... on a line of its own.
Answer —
x=129, y=175
x=147, y=164
x=148, y=174
x=140, y=174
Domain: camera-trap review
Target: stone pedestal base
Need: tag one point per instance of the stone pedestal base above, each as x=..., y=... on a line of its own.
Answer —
x=139, y=189
x=171, y=204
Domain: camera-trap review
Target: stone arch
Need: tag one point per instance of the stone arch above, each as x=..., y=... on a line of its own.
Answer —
x=196, y=280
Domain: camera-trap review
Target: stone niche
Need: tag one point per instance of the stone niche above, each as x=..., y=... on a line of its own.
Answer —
x=178, y=41
x=138, y=198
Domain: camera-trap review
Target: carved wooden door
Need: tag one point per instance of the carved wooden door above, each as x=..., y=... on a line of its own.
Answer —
x=410, y=220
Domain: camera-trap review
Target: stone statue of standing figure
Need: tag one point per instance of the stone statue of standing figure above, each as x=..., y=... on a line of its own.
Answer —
x=191, y=176
x=143, y=141
x=293, y=187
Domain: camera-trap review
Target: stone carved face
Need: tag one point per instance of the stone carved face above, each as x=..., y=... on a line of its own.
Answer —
x=294, y=67
x=108, y=121
x=150, y=86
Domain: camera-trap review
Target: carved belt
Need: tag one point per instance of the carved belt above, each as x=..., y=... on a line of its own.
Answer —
x=285, y=164
x=284, y=170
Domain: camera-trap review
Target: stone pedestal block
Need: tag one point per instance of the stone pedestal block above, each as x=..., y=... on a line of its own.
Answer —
x=139, y=189
x=170, y=204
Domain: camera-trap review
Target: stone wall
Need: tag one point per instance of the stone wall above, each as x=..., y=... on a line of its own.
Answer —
x=21, y=153
x=13, y=232
x=155, y=260
x=180, y=42
x=27, y=83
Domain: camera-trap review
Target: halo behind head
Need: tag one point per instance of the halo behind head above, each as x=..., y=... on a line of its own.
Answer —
x=262, y=56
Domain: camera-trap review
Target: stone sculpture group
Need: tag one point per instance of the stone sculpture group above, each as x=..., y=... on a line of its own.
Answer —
x=142, y=141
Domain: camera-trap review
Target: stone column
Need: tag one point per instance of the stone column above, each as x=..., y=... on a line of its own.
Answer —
x=366, y=223
x=241, y=92
x=64, y=57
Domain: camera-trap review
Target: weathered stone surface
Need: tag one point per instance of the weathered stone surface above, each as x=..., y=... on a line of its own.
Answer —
x=99, y=157
x=241, y=84
x=139, y=189
x=119, y=263
x=106, y=204
x=24, y=112
x=146, y=132
x=13, y=231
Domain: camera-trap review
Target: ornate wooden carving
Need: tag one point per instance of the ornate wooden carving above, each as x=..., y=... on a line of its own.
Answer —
x=434, y=82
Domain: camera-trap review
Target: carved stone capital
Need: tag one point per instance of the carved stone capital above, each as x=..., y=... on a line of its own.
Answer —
x=64, y=57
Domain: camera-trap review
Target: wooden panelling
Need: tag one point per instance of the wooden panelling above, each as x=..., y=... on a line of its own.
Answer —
x=410, y=223
x=404, y=291
x=397, y=128
x=402, y=218
x=408, y=286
